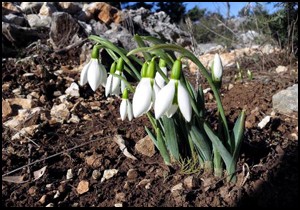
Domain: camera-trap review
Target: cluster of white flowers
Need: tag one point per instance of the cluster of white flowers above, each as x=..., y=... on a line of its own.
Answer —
x=152, y=90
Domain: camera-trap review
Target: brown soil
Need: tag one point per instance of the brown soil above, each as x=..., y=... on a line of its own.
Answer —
x=269, y=156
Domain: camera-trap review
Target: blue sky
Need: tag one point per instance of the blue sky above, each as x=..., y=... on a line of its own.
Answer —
x=220, y=7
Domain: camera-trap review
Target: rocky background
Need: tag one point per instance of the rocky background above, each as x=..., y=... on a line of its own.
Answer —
x=50, y=121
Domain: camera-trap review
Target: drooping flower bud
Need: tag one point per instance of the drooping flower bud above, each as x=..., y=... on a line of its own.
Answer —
x=217, y=71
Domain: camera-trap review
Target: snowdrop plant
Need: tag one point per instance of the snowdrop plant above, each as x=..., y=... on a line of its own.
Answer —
x=178, y=135
x=94, y=72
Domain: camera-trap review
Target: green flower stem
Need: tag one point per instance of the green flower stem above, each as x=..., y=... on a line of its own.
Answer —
x=111, y=46
x=95, y=51
x=115, y=58
x=141, y=43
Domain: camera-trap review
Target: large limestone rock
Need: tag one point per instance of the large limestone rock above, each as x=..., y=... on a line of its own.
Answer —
x=286, y=101
x=63, y=31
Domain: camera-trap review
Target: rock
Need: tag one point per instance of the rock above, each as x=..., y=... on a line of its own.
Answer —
x=57, y=194
x=96, y=174
x=155, y=24
x=132, y=174
x=281, y=69
x=9, y=8
x=105, y=13
x=294, y=136
x=36, y=21
x=82, y=187
x=230, y=86
x=75, y=204
x=94, y=161
x=19, y=36
x=109, y=174
x=14, y=19
x=178, y=187
x=17, y=91
x=22, y=102
x=86, y=27
x=24, y=118
x=145, y=146
x=118, y=205
x=6, y=109
x=49, y=186
x=43, y=199
x=144, y=183
x=47, y=9
x=264, y=122
x=32, y=191
x=286, y=101
x=31, y=7
x=207, y=48
x=60, y=112
x=269, y=49
x=120, y=197
x=73, y=90
x=25, y=132
x=57, y=93
x=74, y=119
x=50, y=205
x=70, y=7
x=98, y=28
x=122, y=36
x=248, y=37
x=63, y=30
x=190, y=182
x=69, y=174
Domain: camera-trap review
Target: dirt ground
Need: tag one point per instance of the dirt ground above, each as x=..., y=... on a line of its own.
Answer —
x=267, y=168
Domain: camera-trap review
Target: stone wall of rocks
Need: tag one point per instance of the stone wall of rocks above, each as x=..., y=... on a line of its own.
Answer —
x=67, y=23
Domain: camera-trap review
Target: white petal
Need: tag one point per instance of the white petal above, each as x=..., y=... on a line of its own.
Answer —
x=83, y=74
x=108, y=85
x=159, y=79
x=164, y=99
x=156, y=89
x=116, y=83
x=103, y=74
x=218, y=69
x=123, y=85
x=129, y=110
x=142, y=97
x=184, y=102
x=94, y=74
x=172, y=110
x=123, y=109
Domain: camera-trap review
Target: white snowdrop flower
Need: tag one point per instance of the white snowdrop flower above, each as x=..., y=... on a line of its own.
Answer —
x=93, y=72
x=126, y=107
x=172, y=96
x=114, y=84
x=146, y=91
